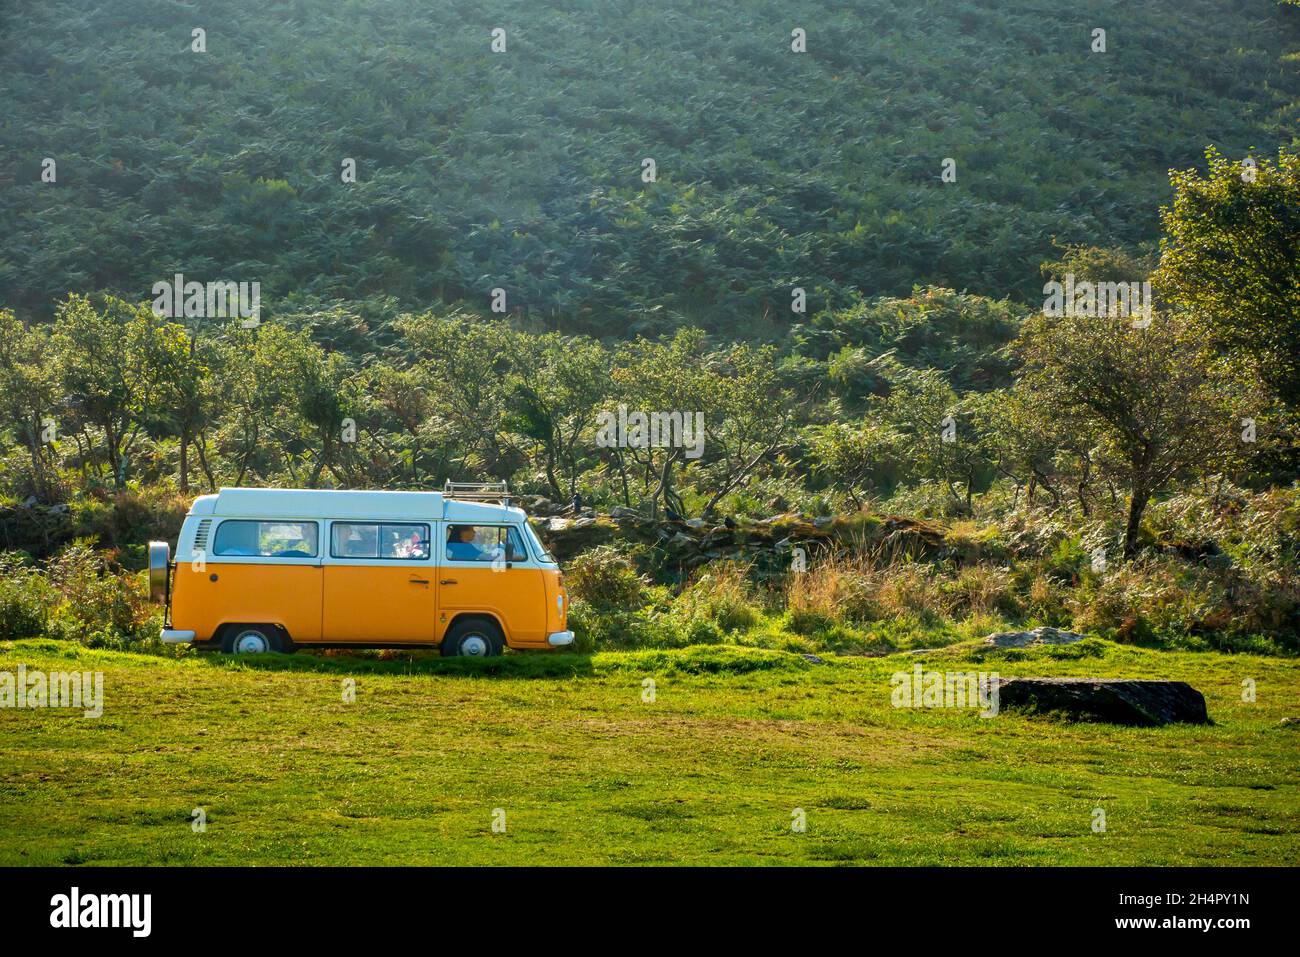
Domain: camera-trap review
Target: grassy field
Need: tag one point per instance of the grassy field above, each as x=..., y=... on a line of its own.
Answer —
x=587, y=772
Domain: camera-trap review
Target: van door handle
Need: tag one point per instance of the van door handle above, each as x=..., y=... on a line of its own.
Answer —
x=418, y=581
x=447, y=581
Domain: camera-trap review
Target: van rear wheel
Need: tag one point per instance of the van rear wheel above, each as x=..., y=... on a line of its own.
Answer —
x=472, y=638
x=251, y=639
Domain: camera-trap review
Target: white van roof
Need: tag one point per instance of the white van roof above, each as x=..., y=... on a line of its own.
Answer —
x=321, y=503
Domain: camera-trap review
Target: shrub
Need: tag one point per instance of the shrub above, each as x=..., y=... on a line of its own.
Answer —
x=808, y=621
x=92, y=599
x=721, y=595
x=1149, y=601
x=971, y=541
x=595, y=629
x=76, y=596
x=605, y=579
x=983, y=590
x=25, y=599
x=700, y=631
x=1045, y=599
x=132, y=516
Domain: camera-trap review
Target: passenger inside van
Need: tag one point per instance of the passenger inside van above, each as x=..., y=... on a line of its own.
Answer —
x=461, y=546
x=356, y=540
x=413, y=546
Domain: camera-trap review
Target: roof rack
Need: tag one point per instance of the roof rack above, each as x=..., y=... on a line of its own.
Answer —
x=477, y=491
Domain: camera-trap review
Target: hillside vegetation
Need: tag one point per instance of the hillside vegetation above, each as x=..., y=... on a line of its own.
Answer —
x=522, y=169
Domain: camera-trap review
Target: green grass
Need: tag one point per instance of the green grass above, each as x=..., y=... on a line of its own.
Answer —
x=588, y=773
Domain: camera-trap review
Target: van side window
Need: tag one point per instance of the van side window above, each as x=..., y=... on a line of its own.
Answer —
x=408, y=541
x=266, y=539
x=484, y=543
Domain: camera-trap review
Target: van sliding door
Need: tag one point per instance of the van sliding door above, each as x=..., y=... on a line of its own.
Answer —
x=379, y=583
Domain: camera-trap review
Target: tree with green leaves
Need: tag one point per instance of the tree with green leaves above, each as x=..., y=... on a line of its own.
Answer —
x=465, y=363
x=28, y=398
x=557, y=386
x=1160, y=400
x=316, y=382
x=661, y=376
x=937, y=438
x=1231, y=255
x=854, y=457
x=397, y=409
x=750, y=417
x=183, y=403
x=106, y=362
x=1024, y=441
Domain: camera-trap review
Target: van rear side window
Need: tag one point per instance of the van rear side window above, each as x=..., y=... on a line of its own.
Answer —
x=400, y=541
x=266, y=539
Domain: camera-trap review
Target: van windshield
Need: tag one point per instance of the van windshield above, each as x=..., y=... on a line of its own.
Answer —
x=536, y=543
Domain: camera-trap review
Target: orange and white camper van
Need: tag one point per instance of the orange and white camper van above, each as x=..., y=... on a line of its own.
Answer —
x=261, y=570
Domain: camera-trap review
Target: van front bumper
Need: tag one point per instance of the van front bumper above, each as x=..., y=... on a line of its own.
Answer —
x=176, y=637
x=557, y=639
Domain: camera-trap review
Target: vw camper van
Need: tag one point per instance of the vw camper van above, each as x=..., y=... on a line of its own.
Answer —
x=259, y=570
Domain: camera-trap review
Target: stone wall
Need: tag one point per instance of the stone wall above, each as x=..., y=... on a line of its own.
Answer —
x=767, y=543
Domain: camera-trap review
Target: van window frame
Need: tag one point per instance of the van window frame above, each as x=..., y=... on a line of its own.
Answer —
x=528, y=561
x=379, y=557
x=537, y=546
x=211, y=556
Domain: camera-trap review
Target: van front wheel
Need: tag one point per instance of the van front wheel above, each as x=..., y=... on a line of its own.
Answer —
x=251, y=639
x=472, y=638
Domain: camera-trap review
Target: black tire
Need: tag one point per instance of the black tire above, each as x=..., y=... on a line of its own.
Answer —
x=473, y=638
x=241, y=639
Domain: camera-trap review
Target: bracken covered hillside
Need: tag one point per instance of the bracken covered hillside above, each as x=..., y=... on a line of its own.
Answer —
x=523, y=169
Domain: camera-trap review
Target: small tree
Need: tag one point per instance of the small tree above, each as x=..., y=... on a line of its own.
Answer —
x=183, y=400
x=28, y=396
x=751, y=420
x=1161, y=401
x=1033, y=445
x=854, y=457
x=559, y=383
x=400, y=403
x=666, y=376
x=937, y=436
x=106, y=364
x=467, y=362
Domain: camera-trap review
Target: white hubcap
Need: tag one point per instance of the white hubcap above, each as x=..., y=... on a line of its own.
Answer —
x=251, y=643
x=474, y=645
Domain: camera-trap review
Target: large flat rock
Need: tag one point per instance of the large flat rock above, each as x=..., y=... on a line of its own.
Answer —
x=1038, y=636
x=1114, y=700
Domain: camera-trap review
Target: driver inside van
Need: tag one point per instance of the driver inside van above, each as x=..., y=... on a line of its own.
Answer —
x=461, y=546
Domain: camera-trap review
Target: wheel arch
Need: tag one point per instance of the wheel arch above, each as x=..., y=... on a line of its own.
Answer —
x=219, y=633
x=489, y=616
